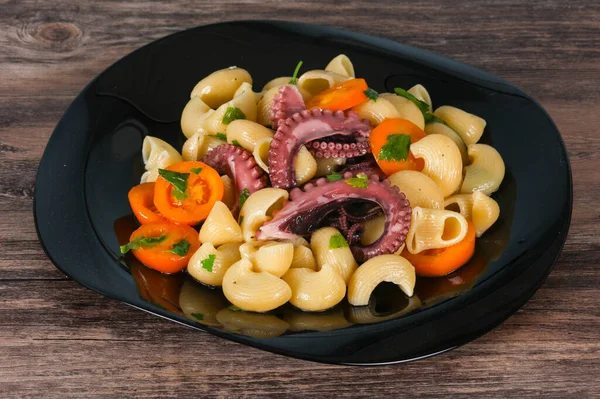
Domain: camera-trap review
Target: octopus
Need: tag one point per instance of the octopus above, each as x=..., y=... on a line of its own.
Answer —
x=323, y=202
x=240, y=166
x=325, y=133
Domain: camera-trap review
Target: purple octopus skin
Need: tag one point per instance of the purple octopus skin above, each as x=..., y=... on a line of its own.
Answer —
x=285, y=104
x=240, y=166
x=368, y=167
x=331, y=149
x=310, y=206
x=303, y=127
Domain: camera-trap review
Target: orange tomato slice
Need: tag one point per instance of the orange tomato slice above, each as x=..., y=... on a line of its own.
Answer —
x=160, y=256
x=379, y=138
x=141, y=200
x=439, y=262
x=340, y=98
x=204, y=188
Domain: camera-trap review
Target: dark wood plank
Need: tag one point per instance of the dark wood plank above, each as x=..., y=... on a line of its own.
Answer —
x=58, y=339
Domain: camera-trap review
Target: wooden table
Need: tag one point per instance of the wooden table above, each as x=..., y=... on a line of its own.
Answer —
x=58, y=339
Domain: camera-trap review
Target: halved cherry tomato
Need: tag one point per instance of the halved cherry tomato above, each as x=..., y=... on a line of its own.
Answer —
x=141, y=200
x=379, y=138
x=204, y=188
x=439, y=262
x=160, y=256
x=342, y=97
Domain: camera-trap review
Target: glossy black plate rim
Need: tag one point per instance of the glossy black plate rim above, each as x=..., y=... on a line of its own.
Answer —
x=544, y=262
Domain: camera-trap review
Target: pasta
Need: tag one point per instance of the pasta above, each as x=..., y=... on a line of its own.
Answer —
x=420, y=189
x=468, y=126
x=277, y=82
x=442, y=161
x=303, y=258
x=482, y=210
x=316, y=81
x=315, y=290
x=261, y=153
x=209, y=264
x=219, y=87
x=245, y=101
x=228, y=191
x=486, y=171
x=440, y=128
x=421, y=93
x=220, y=227
x=201, y=304
x=391, y=268
x=271, y=257
x=198, y=145
x=405, y=109
x=341, y=65
x=247, y=133
x=306, y=166
x=157, y=154
x=193, y=117
x=434, y=228
x=340, y=258
x=257, y=292
x=259, y=208
x=376, y=111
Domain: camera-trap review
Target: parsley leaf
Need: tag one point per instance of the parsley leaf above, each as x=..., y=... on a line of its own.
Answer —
x=423, y=106
x=334, y=177
x=294, y=79
x=177, y=180
x=371, y=94
x=179, y=195
x=142, y=241
x=231, y=114
x=221, y=136
x=235, y=142
x=207, y=264
x=196, y=170
x=181, y=248
x=360, y=181
x=241, y=220
x=431, y=118
x=234, y=308
x=197, y=316
x=337, y=241
x=243, y=197
x=396, y=148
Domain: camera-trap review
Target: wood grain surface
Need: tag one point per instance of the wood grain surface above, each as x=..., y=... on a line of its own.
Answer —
x=58, y=339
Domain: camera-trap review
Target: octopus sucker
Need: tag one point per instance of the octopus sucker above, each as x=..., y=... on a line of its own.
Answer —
x=322, y=202
x=240, y=166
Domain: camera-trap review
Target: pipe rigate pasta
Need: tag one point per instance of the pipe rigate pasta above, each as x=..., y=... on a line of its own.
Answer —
x=376, y=111
x=316, y=81
x=315, y=290
x=157, y=154
x=486, y=171
x=220, y=86
x=339, y=256
x=198, y=145
x=434, y=228
x=477, y=207
x=193, y=117
x=406, y=109
x=259, y=208
x=220, y=226
x=247, y=133
x=420, y=189
x=341, y=65
x=209, y=264
x=440, y=128
x=421, y=93
x=468, y=126
x=245, y=101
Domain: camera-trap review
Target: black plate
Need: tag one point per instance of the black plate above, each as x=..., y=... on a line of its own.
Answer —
x=93, y=159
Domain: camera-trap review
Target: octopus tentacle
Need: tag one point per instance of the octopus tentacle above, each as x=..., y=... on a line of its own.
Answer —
x=330, y=149
x=310, y=206
x=368, y=167
x=240, y=166
x=285, y=104
x=303, y=127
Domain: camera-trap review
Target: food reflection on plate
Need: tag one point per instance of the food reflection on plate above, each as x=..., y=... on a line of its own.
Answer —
x=328, y=320
x=386, y=303
x=257, y=325
x=201, y=304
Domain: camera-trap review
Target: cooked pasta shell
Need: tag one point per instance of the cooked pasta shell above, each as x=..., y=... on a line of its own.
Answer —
x=421, y=93
x=477, y=207
x=254, y=325
x=277, y=82
x=420, y=189
x=198, y=145
x=316, y=81
x=341, y=65
x=245, y=101
x=303, y=258
x=220, y=226
x=468, y=126
x=259, y=208
x=193, y=117
x=486, y=171
x=443, y=162
x=201, y=304
x=247, y=133
x=434, y=228
x=157, y=154
x=261, y=153
x=406, y=109
x=219, y=87
x=340, y=258
x=390, y=268
x=440, y=128
x=257, y=292
x=373, y=230
x=271, y=257
x=315, y=290
x=211, y=272
x=306, y=166
x=376, y=111
x=461, y=203
x=228, y=191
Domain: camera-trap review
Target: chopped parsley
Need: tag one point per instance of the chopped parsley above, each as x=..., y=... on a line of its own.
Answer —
x=178, y=181
x=235, y=142
x=431, y=118
x=197, y=316
x=231, y=114
x=234, y=308
x=334, y=177
x=196, y=170
x=371, y=94
x=337, y=241
x=181, y=248
x=142, y=241
x=360, y=181
x=241, y=220
x=207, y=264
x=294, y=79
x=243, y=197
x=396, y=148
x=221, y=136
x=422, y=105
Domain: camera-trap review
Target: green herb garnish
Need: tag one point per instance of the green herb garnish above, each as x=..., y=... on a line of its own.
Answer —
x=243, y=197
x=235, y=142
x=207, y=264
x=294, y=79
x=231, y=114
x=422, y=105
x=196, y=170
x=234, y=308
x=334, y=177
x=181, y=248
x=371, y=94
x=337, y=241
x=142, y=241
x=396, y=148
x=178, y=181
x=221, y=136
x=197, y=316
x=360, y=181
x=431, y=118
x=241, y=220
